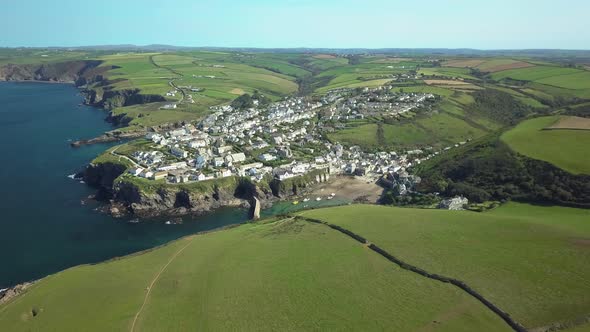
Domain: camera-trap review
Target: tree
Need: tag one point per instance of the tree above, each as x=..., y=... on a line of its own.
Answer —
x=242, y=102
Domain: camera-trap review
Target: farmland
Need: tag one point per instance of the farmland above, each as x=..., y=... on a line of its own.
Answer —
x=531, y=261
x=565, y=148
x=279, y=275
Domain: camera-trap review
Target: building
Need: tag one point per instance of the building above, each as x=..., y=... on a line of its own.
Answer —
x=267, y=157
x=455, y=203
x=238, y=157
x=178, y=152
x=159, y=175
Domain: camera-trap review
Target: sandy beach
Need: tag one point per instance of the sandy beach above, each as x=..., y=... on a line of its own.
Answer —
x=348, y=187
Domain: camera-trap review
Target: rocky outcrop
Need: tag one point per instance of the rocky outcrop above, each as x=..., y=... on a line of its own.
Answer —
x=255, y=209
x=168, y=199
x=102, y=177
x=108, y=137
x=10, y=293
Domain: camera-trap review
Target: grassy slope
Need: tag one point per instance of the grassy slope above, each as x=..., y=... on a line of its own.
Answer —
x=530, y=261
x=151, y=73
x=279, y=276
x=567, y=149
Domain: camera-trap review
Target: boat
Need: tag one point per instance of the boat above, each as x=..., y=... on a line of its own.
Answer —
x=318, y=199
x=332, y=194
x=133, y=221
x=306, y=199
x=330, y=197
x=295, y=202
x=168, y=222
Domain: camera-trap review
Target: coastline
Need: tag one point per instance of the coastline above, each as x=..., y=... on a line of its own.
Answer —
x=39, y=81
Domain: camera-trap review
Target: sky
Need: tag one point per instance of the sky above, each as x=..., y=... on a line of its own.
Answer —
x=498, y=24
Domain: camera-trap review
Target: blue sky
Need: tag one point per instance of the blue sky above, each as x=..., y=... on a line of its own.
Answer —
x=498, y=24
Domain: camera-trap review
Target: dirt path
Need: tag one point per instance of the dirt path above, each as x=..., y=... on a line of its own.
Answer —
x=154, y=280
x=114, y=153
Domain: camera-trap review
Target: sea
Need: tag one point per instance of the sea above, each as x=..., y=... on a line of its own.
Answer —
x=47, y=223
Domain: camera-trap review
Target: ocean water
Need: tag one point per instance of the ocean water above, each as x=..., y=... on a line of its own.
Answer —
x=44, y=228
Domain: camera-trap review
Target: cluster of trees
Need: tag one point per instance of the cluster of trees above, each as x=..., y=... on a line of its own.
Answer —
x=247, y=101
x=413, y=199
x=490, y=170
x=498, y=106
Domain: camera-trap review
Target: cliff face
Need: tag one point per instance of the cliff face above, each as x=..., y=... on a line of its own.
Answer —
x=110, y=99
x=299, y=184
x=102, y=176
x=71, y=71
x=179, y=199
x=88, y=74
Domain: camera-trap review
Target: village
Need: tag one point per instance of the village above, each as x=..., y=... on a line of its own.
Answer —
x=282, y=140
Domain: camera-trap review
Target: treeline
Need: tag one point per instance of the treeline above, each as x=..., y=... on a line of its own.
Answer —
x=489, y=170
x=581, y=111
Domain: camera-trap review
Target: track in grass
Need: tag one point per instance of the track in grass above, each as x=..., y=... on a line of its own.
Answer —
x=153, y=283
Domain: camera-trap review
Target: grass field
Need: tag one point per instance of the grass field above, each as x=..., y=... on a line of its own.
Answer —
x=285, y=275
x=571, y=122
x=533, y=262
x=447, y=72
x=534, y=73
x=567, y=149
x=438, y=130
x=488, y=65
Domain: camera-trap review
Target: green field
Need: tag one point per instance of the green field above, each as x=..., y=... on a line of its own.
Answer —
x=567, y=149
x=533, y=262
x=534, y=73
x=438, y=130
x=284, y=275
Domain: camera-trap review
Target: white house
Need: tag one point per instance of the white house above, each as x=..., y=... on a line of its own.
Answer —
x=218, y=162
x=238, y=157
x=267, y=157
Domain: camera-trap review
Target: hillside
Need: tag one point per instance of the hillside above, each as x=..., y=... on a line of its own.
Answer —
x=281, y=275
x=488, y=169
x=288, y=274
x=531, y=261
x=557, y=140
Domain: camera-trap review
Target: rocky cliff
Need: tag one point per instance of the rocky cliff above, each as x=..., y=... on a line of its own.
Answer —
x=157, y=199
x=108, y=98
x=86, y=74
x=298, y=185
x=102, y=177
x=126, y=194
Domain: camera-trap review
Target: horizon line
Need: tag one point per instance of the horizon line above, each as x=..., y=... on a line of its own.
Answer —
x=106, y=46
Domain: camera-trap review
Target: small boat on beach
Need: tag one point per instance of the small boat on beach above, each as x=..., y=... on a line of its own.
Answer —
x=306, y=199
x=318, y=199
x=295, y=202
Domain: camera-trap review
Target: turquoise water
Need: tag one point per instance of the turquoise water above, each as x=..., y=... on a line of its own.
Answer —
x=43, y=226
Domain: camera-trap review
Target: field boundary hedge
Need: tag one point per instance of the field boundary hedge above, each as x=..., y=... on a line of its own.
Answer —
x=458, y=283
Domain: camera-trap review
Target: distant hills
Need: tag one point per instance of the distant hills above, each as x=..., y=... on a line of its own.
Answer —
x=399, y=51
